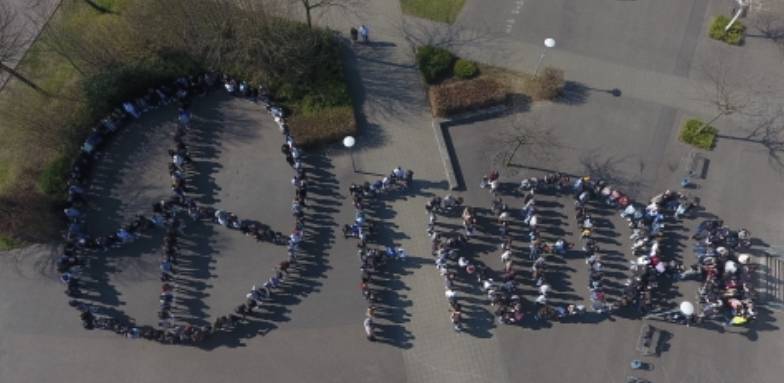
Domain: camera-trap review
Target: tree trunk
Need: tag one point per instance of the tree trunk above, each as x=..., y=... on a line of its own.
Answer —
x=520, y=143
x=97, y=6
x=22, y=78
x=702, y=128
x=307, y=13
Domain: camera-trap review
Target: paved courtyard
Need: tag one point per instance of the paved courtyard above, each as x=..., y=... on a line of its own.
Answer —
x=234, y=144
x=598, y=147
x=314, y=331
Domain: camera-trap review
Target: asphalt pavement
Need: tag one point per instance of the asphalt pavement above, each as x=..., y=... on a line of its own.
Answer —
x=315, y=332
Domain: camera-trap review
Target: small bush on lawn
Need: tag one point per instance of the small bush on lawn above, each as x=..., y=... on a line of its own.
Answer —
x=465, y=69
x=329, y=125
x=694, y=134
x=462, y=96
x=547, y=85
x=734, y=36
x=52, y=180
x=434, y=63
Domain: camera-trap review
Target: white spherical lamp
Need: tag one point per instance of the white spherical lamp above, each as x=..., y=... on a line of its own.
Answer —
x=687, y=308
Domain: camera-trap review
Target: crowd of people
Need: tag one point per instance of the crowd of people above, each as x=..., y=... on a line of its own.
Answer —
x=78, y=242
x=455, y=262
x=647, y=223
x=726, y=272
x=722, y=266
x=543, y=248
x=726, y=289
x=540, y=250
x=373, y=259
x=260, y=295
x=169, y=213
x=446, y=247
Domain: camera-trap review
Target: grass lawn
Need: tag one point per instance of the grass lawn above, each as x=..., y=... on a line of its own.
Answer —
x=53, y=73
x=445, y=11
x=39, y=133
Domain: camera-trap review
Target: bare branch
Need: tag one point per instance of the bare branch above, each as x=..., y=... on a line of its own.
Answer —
x=322, y=5
x=770, y=24
x=727, y=95
x=528, y=138
x=13, y=38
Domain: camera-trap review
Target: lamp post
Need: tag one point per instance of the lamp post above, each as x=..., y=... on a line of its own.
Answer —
x=548, y=43
x=349, y=142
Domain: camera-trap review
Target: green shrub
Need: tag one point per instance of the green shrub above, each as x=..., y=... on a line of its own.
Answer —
x=53, y=178
x=693, y=133
x=328, y=125
x=465, y=69
x=463, y=96
x=734, y=36
x=8, y=243
x=331, y=94
x=109, y=88
x=546, y=85
x=434, y=63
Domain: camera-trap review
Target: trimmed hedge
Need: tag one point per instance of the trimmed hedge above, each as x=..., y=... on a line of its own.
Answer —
x=465, y=69
x=547, y=85
x=445, y=11
x=328, y=125
x=463, y=96
x=694, y=134
x=434, y=63
x=734, y=36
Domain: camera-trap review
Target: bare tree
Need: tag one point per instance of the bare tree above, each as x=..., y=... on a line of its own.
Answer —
x=770, y=24
x=726, y=91
x=527, y=135
x=755, y=100
x=311, y=6
x=13, y=42
x=767, y=129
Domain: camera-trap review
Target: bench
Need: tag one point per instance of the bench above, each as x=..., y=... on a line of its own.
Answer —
x=648, y=343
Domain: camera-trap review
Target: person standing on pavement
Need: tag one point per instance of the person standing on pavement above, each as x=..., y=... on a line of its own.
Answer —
x=456, y=318
x=363, y=33
x=354, y=34
x=368, y=325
